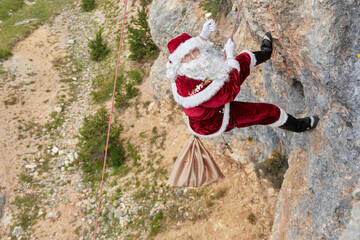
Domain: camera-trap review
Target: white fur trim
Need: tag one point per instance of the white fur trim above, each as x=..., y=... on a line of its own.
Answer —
x=171, y=71
x=223, y=127
x=267, y=38
x=233, y=63
x=282, y=119
x=185, y=47
x=252, y=57
x=198, y=98
x=312, y=121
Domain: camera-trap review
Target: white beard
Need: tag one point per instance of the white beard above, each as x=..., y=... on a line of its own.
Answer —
x=205, y=65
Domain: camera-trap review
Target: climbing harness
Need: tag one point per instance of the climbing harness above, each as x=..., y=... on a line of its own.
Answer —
x=111, y=112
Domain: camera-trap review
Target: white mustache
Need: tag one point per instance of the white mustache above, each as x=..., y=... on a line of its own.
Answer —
x=205, y=66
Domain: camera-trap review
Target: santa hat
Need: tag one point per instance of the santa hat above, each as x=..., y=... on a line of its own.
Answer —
x=181, y=45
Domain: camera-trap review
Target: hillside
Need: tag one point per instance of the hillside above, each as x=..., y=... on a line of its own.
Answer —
x=46, y=91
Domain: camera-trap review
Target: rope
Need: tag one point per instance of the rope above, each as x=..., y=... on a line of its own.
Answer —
x=111, y=112
x=112, y=107
x=237, y=17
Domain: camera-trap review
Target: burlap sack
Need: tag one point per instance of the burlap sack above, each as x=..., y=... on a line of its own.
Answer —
x=194, y=167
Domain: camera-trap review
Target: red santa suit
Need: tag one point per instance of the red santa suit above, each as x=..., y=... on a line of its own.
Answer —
x=208, y=104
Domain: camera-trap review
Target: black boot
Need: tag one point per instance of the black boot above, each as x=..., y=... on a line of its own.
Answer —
x=266, y=49
x=300, y=125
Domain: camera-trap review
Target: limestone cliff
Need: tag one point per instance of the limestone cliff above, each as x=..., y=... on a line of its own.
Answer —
x=314, y=69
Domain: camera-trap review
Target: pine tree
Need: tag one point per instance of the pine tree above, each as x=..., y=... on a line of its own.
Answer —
x=145, y=2
x=98, y=49
x=92, y=142
x=142, y=46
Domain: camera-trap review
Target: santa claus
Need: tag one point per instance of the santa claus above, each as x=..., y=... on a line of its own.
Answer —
x=205, y=85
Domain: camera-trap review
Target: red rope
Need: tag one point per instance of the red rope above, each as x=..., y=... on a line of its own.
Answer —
x=237, y=17
x=111, y=112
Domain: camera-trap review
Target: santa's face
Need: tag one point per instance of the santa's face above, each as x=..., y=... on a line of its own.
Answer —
x=191, y=55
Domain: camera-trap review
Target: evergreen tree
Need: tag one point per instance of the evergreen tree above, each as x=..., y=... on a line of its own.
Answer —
x=88, y=5
x=145, y=2
x=93, y=135
x=98, y=49
x=142, y=46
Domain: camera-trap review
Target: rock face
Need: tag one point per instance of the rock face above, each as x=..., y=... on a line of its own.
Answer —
x=314, y=70
x=352, y=231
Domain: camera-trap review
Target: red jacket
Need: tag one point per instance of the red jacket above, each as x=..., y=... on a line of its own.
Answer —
x=206, y=103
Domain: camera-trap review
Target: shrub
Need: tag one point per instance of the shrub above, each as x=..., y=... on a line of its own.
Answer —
x=104, y=86
x=29, y=208
x=129, y=91
x=4, y=54
x=252, y=218
x=211, y=6
x=274, y=169
x=26, y=178
x=136, y=75
x=134, y=153
x=92, y=144
x=155, y=223
x=142, y=46
x=125, y=90
x=145, y=2
x=98, y=48
x=88, y=5
x=11, y=101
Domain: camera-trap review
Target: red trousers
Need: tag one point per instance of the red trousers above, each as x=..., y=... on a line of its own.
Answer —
x=245, y=114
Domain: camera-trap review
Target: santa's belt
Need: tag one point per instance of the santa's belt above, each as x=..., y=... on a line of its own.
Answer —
x=200, y=86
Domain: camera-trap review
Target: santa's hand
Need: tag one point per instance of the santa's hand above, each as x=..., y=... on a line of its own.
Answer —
x=208, y=28
x=229, y=49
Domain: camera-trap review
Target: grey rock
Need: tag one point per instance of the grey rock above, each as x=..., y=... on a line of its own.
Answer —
x=104, y=211
x=110, y=216
x=356, y=194
x=118, y=213
x=126, y=218
x=55, y=150
x=58, y=109
x=26, y=21
x=17, y=231
x=52, y=215
x=352, y=231
x=30, y=166
x=29, y=3
x=61, y=162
